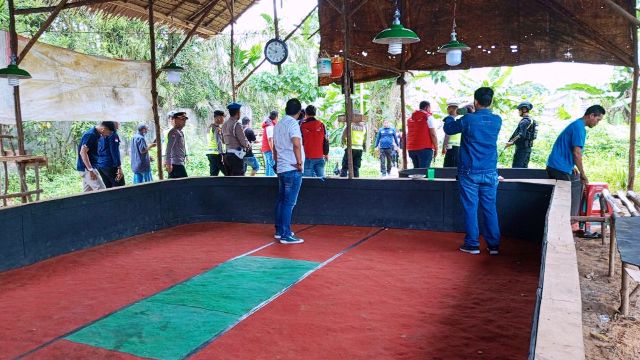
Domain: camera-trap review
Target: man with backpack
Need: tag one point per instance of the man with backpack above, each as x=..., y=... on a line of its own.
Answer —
x=523, y=136
x=315, y=143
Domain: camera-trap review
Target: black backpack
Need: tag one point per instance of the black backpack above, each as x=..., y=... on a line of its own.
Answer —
x=531, y=133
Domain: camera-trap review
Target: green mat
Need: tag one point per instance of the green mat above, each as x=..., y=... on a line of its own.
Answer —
x=172, y=323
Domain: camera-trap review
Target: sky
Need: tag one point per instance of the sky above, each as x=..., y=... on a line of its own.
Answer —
x=552, y=76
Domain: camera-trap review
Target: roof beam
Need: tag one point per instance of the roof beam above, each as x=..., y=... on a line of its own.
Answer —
x=619, y=9
x=26, y=11
x=195, y=15
x=185, y=24
x=180, y=4
x=42, y=29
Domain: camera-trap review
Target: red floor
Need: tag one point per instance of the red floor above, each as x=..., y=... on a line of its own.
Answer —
x=401, y=294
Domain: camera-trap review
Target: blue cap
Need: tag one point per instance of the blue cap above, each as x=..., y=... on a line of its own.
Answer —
x=234, y=106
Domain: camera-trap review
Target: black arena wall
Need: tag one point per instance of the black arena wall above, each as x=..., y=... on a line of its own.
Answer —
x=37, y=231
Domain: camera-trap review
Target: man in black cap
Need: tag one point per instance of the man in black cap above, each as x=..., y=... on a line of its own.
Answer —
x=523, y=137
x=235, y=140
x=176, y=152
x=88, y=155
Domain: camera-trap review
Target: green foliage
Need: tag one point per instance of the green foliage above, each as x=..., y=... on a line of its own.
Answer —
x=586, y=88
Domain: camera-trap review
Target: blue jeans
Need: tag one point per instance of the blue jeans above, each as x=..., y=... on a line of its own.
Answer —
x=421, y=158
x=268, y=163
x=314, y=168
x=142, y=177
x=289, y=183
x=481, y=189
x=250, y=161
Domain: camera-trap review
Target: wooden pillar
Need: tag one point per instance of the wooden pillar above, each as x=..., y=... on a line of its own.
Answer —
x=346, y=81
x=612, y=246
x=13, y=35
x=632, y=121
x=154, y=91
x=403, y=114
x=233, y=77
x=276, y=29
x=624, y=292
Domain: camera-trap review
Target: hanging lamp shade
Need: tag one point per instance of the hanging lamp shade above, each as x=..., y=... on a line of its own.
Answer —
x=454, y=49
x=396, y=35
x=173, y=72
x=14, y=74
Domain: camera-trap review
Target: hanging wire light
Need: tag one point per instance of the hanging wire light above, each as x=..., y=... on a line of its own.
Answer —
x=173, y=71
x=13, y=73
x=396, y=35
x=454, y=48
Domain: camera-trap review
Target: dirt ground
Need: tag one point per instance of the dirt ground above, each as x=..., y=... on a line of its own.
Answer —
x=607, y=334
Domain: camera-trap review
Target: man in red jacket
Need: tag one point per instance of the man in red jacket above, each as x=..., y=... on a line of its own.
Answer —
x=313, y=137
x=267, y=143
x=422, y=142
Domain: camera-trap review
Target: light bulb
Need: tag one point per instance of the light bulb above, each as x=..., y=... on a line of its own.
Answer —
x=13, y=81
x=395, y=47
x=454, y=57
x=173, y=77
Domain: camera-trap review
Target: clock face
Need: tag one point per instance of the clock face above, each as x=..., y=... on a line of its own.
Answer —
x=276, y=51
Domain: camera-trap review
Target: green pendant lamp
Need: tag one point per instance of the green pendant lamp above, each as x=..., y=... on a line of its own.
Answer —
x=396, y=35
x=454, y=48
x=173, y=72
x=13, y=73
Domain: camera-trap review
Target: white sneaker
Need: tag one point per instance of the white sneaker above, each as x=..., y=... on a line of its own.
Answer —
x=278, y=237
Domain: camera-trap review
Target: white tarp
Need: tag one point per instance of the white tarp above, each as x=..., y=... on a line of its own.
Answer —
x=69, y=86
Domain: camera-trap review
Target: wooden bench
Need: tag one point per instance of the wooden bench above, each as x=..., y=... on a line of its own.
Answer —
x=22, y=162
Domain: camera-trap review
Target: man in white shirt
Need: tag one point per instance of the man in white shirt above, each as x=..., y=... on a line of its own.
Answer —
x=289, y=158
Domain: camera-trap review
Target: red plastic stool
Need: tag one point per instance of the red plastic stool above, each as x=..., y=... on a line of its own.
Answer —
x=590, y=204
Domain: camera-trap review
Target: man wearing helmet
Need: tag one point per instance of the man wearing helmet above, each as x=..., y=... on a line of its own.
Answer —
x=523, y=136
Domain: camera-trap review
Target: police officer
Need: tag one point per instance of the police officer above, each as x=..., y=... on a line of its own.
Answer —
x=235, y=140
x=523, y=137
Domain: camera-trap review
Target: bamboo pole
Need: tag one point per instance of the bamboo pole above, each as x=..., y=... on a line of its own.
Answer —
x=346, y=81
x=154, y=90
x=403, y=115
x=603, y=212
x=616, y=209
x=632, y=121
x=13, y=35
x=634, y=197
x=233, y=77
x=628, y=204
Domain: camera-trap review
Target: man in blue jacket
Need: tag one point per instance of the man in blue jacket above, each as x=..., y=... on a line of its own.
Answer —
x=386, y=144
x=477, y=171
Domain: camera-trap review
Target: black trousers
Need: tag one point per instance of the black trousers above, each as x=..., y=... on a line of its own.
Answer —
x=451, y=157
x=521, y=157
x=177, y=172
x=233, y=164
x=108, y=176
x=215, y=164
x=576, y=187
x=357, y=161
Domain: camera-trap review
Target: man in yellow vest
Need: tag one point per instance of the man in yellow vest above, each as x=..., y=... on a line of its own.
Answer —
x=216, y=145
x=358, y=145
x=451, y=144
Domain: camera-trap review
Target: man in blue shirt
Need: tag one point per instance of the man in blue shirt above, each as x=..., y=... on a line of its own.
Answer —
x=566, y=155
x=109, y=164
x=88, y=155
x=386, y=143
x=140, y=159
x=477, y=171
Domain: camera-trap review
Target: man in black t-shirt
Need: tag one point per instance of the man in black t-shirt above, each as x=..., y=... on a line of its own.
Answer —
x=249, y=159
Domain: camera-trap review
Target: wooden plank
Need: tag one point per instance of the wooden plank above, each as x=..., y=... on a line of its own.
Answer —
x=590, y=219
x=624, y=292
x=628, y=204
x=75, y=4
x=21, y=194
x=633, y=273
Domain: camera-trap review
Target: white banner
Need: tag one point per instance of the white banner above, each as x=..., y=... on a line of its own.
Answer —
x=69, y=86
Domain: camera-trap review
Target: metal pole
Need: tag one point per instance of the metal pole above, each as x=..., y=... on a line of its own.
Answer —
x=233, y=77
x=13, y=35
x=277, y=30
x=154, y=90
x=346, y=81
